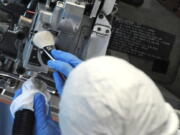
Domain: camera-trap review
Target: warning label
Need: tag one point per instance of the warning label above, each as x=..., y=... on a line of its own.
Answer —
x=140, y=40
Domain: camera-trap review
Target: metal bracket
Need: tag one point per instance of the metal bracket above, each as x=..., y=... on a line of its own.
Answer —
x=99, y=39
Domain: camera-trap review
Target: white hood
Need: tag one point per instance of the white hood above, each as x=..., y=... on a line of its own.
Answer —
x=108, y=96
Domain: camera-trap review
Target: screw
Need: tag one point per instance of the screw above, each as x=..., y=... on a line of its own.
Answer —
x=101, y=16
x=99, y=28
x=107, y=31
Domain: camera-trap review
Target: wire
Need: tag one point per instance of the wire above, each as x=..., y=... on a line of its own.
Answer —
x=30, y=12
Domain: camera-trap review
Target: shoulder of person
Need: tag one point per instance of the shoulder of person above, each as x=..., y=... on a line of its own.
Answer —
x=178, y=132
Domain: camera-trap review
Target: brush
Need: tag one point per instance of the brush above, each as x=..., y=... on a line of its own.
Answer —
x=44, y=39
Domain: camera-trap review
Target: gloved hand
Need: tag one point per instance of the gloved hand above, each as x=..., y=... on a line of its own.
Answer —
x=25, y=100
x=44, y=125
x=64, y=63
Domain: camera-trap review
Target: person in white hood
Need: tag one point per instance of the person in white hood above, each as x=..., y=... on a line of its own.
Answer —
x=108, y=96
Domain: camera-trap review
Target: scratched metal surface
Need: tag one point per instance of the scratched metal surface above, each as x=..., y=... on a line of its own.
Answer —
x=153, y=14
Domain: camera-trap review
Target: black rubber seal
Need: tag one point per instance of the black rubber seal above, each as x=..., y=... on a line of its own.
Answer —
x=23, y=123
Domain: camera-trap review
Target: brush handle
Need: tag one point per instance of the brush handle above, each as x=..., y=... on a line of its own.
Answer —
x=48, y=54
x=48, y=50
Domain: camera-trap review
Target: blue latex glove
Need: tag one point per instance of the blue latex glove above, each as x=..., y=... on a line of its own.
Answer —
x=44, y=125
x=64, y=63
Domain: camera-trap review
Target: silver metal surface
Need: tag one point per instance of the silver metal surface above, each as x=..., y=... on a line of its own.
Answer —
x=99, y=39
x=57, y=14
x=22, y=79
x=108, y=6
x=71, y=17
x=41, y=22
x=24, y=21
x=69, y=25
x=42, y=17
x=13, y=76
x=65, y=19
x=95, y=9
